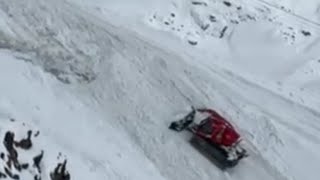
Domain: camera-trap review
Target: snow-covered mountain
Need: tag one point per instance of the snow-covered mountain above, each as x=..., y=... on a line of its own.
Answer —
x=101, y=81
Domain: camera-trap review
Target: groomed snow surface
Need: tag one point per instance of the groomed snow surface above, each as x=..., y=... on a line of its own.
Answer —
x=102, y=80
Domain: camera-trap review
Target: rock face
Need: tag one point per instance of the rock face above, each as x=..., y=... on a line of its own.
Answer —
x=13, y=167
x=25, y=143
x=60, y=172
x=36, y=161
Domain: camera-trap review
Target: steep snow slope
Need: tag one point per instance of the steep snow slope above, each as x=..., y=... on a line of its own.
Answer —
x=124, y=88
x=266, y=44
x=38, y=101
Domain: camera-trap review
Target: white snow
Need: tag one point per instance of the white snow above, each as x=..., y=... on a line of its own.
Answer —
x=66, y=125
x=101, y=81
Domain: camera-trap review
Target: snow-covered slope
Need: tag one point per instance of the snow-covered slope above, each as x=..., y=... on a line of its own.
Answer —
x=299, y=8
x=261, y=42
x=94, y=149
x=101, y=81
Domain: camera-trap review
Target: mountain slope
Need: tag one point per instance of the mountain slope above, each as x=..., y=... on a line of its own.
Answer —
x=105, y=96
x=93, y=148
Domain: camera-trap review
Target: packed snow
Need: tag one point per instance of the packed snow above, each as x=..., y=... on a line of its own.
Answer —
x=101, y=81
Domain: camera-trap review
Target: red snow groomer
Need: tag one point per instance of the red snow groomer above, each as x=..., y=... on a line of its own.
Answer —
x=214, y=136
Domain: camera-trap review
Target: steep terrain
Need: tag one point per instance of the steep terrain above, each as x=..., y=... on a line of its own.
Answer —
x=101, y=81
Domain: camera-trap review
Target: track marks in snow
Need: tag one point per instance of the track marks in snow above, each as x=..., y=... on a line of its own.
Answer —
x=278, y=110
x=143, y=85
x=148, y=127
x=258, y=128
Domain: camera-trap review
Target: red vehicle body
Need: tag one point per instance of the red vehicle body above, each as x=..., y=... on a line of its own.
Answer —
x=214, y=136
x=217, y=129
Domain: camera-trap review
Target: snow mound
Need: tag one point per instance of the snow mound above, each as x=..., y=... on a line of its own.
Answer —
x=196, y=21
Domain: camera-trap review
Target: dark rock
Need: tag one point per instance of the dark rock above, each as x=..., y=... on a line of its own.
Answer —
x=212, y=18
x=173, y=15
x=37, y=134
x=25, y=143
x=2, y=156
x=25, y=166
x=12, y=176
x=37, y=160
x=17, y=166
x=199, y=3
x=12, y=152
x=306, y=33
x=8, y=140
x=15, y=177
x=2, y=175
x=7, y=171
x=37, y=177
x=60, y=172
x=223, y=31
x=166, y=23
x=13, y=158
x=205, y=27
x=227, y=3
x=193, y=42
